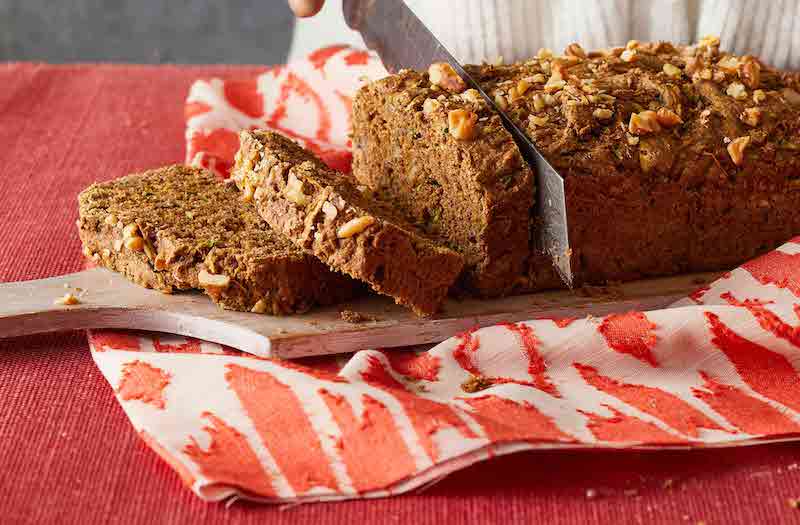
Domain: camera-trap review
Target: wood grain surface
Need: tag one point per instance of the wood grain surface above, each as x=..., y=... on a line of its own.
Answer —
x=108, y=300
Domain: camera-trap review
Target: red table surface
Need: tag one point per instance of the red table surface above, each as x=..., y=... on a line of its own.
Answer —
x=68, y=453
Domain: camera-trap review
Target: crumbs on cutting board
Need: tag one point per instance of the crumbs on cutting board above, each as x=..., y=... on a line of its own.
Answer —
x=352, y=317
x=611, y=290
x=68, y=299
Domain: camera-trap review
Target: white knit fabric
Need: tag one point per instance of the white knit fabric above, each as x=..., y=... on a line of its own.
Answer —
x=476, y=30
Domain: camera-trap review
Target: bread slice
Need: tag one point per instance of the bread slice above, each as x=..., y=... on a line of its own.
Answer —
x=179, y=228
x=322, y=212
x=476, y=193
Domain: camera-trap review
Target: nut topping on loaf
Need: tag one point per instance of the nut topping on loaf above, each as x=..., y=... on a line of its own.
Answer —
x=668, y=154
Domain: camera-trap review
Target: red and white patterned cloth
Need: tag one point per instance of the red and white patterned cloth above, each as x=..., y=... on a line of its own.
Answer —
x=719, y=368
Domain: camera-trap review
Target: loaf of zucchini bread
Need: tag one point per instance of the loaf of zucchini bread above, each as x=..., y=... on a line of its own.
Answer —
x=675, y=159
x=180, y=228
x=326, y=215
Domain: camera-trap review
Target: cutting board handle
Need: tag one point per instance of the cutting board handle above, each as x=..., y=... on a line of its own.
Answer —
x=108, y=300
x=30, y=307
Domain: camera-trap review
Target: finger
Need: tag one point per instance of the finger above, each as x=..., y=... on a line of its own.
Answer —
x=304, y=8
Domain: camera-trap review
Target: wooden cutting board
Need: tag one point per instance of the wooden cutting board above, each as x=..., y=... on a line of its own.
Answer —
x=108, y=300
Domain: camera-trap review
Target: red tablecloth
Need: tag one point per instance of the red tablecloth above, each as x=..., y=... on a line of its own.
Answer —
x=69, y=455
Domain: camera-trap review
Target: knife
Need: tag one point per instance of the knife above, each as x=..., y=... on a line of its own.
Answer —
x=401, y=41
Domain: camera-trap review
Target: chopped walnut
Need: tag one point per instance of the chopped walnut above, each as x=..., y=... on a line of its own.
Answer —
x=355, y=226
x=729, y=64
x=501, y=101
x=260, y=307
x=737, y=91
x=759, y=96
x=476, y=384
x=668, y=118
x=736, y=149
x=294, y=191
x=538, y=121
x=248, y=192
x=471, y=95
x=556, y=82
x=538, y=78
x=575, y=50
x=549, y=100
x=135, y=244
x=130, y=231
x=709, y=41
x=671, y=71
x=629, y=55
x=750, y=72
x=431, y=105
x=67, y=300
x=211, y=281
x=443, y=75
x=602, y=114
x=462, y=124
x=632, y=140
x=751, y=116
x=719, y=76
x=522, y=86
x=706, y=74
x=644, y=123
x=632, y=44
x=329, y=210
x=544, y=53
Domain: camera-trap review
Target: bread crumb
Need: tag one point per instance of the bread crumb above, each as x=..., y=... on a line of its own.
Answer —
x=67, y=300
x=608, y=291
x=349, y=316
x=476, y=384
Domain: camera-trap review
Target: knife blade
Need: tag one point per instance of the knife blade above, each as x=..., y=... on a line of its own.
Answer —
x=402, y=41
